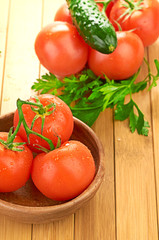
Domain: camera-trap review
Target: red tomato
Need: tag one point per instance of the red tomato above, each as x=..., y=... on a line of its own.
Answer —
x=63, y=14
x=15, y=167
x=65, y=172
x=108, y=8
x=144, y=22
x=59, y=123
x=123, y=62
x=60, y=49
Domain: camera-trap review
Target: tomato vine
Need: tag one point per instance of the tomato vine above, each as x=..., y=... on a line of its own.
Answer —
x=38, y=108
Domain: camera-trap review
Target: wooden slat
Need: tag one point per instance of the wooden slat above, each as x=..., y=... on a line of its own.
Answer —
x=58, y=230
x=96, y=221
x=4, y=14
x=63, y=229
x=10, y=230
x=154, y=54
x=135, y=180
x=21, y=64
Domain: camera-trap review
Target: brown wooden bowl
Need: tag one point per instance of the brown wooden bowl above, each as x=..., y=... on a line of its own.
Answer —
x=30, y=206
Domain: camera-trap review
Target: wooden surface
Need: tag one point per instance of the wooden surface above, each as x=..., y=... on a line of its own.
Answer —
x=126, y=206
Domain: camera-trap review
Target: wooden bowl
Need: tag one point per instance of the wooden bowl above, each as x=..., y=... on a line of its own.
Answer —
x=30, y=206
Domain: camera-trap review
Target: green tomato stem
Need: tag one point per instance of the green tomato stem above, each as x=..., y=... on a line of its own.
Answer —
x=131, y=4
x=27, y=129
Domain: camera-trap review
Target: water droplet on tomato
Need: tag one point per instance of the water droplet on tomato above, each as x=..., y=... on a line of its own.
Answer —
x=67, y=144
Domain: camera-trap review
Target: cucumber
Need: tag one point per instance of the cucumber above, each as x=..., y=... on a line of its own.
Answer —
x=93, y=25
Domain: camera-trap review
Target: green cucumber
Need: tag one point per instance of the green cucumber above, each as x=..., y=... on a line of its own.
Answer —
x=93, y=25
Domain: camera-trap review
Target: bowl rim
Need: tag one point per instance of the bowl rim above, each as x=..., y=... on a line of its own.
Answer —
x=83, y=197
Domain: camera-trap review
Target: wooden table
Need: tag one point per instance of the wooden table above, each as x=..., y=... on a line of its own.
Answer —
x=126, y=206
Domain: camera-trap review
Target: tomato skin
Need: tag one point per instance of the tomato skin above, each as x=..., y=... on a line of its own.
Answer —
x=65, y=172
x=144, y=22
x=123, y=62
x=60, y=49
x=59, y=123
x=63, y=14
x=109, y=7
x=15, y=167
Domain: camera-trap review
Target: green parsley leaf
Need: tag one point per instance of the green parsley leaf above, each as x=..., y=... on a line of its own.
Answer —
x=47, y=83
x=125, y=111
x=154, y=77
x=134, y=119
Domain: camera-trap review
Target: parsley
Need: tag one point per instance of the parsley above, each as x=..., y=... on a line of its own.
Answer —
x=87, y=95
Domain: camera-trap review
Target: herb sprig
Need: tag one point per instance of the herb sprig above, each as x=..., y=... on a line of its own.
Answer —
x=87, y=95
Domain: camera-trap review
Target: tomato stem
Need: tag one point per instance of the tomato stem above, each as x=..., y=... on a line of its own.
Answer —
x=130, y=8
x=42, y=111
x=131, y=4
x=9, y=144
x=27, y=129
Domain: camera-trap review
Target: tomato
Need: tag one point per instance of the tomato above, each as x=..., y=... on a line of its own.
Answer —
x=65, y=172
x=15, y=167
x=144, y=22
x=58, y=124
x=108, y=8
x=63, y=14
x=60, y=49
x=123, y=62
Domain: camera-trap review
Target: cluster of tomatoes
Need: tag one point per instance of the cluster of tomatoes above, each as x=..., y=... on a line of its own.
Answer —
x=60, y=174
x=62, y=51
